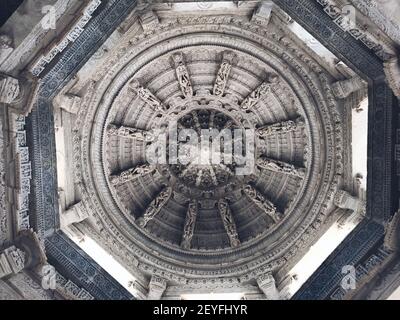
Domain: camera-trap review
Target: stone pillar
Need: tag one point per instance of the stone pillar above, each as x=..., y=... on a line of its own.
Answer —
x=342, y=89
x=284, y=286
x=69, y=102
x=149, y=20
x=266, y=283
x=12, y=261
x=74, y=214
x=392, y=71
x=344, y=200
x=262, y=14
x=9, y=89
x=157, y=286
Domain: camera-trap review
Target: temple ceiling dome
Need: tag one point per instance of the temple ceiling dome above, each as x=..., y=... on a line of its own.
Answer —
x=206, y=219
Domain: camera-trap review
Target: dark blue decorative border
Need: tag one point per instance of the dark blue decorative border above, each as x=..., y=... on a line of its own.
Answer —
x=381, y=190
x=73, y=263
x=69, y=260
x=381, y=187
x=350, y=252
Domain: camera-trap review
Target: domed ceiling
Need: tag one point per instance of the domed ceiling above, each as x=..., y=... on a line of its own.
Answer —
x=188, y=219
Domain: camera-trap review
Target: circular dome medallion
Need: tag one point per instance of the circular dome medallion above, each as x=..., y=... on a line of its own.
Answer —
x=209, y=219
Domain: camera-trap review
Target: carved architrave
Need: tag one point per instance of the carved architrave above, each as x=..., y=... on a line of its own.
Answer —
x=229, y=223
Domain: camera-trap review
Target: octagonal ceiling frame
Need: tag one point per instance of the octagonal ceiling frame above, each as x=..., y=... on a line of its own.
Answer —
x=76, y=265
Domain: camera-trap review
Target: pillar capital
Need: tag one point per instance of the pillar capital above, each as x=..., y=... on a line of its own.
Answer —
x=157, y=287
x=345, y=200
x=392, y=71
x=12, y=261
x=266, y=283
x=342, y=89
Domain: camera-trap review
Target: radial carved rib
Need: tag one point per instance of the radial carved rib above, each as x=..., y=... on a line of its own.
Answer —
x=146, y=95
x=281, y=127
x=131, y=174
x=254, y=97
x=188, y=229
x=182, y=74
x=280, y=166
x=229, y=223
x=155, y=206
x=265, y=205
x=223, y=73
x=129, y=132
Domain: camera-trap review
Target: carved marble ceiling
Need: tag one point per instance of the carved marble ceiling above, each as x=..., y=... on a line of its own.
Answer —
x=188, y=221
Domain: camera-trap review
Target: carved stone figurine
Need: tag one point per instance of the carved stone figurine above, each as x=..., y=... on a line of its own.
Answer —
x=182, y=74
x=129, y=132
x=188, y=229
x=155, y=206
x=131, y=174
x=279, y=166
x=228, y=58
x=254, y=97
x=281, y=127
x=267, y=206
x=228, y=222
x=145, y=95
